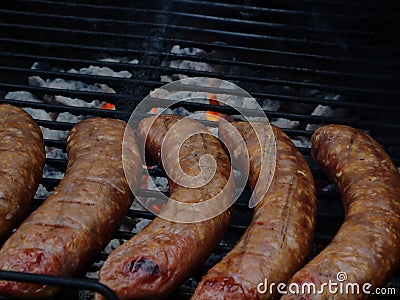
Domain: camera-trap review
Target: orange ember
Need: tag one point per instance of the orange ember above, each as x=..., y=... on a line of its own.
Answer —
x=154, y=110
x=212, y=115
x=156, y=208
x=108, y=106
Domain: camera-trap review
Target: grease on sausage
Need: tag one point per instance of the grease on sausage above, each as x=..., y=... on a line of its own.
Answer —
x=367, y=245
x=160, y=257
x=68, y=230
x=22, y=158
x=279, y=238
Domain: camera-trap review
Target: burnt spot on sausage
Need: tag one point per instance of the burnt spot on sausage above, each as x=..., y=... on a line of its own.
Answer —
x=143, y=264
x=352, y=138
x=35, y=257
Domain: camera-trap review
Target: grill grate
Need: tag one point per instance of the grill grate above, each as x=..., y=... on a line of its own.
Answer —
x=302, y=55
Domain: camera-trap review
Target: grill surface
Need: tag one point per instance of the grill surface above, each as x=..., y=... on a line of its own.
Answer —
x=287, y=51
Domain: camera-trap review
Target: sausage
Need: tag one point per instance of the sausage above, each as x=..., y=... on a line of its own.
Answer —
x=22, y=158
x=160, y=257
x=68, y=230
x=367, y=246
x=279, y=238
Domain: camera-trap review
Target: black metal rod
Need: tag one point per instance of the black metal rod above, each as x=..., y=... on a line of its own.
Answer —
x=194, y=58
x=196, y=17
x=74, y=110
x=249, y=49
x=81, y=283
x=216, y=4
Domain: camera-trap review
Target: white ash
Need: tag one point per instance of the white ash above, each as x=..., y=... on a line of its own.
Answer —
x=213, y=130
x=112, y=245
x=301, y=141
x=140, y=225
x=176, y=49
x=57, y=99
x=59, y=83
x=158, y=183
x=56, y=153
x=185, y=64
x=42, y=192
x=22, y=96
x=285, y=123
x=52, y=172
x=68, y=118
x=121, y=60
x=203, y=97
x=38, y=114
x=179, y=111
x=271, y=105
x=329, y=188
x=327, y=111
x=49, y=171
x=136, y=205
x=75, y=85
x=102, y=71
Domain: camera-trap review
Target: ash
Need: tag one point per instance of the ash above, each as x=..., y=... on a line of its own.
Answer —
x=240, y=102
x=39, y=114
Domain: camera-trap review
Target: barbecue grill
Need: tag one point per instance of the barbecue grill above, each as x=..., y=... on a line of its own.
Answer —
x=307, y=62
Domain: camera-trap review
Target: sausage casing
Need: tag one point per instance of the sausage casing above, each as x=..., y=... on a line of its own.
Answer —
x=68, y=230
x=279, y=238
x=367, y=246
x=22, y=158
x=160, y=257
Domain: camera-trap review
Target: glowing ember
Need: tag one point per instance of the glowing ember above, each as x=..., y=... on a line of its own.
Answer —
x=212, y=115
x=108, y=106
x=154, y=110
x=156, y=208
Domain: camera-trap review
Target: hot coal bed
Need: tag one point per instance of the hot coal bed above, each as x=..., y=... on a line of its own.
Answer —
x=307, y=63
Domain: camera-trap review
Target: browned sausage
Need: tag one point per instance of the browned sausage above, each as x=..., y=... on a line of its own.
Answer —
x=279, y=238
x=367, y=245
x=67, y=231
x=22, y=159
x=155, y=261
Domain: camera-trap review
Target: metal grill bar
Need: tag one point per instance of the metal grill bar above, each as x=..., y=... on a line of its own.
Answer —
x=170, y=71
x=252, y=49
x=236, y=7
x=294, y=7
x=291, y=42
x=190, y=105
x=301, y=70
x=83, y=283
x=209, y=18
x=225, y=6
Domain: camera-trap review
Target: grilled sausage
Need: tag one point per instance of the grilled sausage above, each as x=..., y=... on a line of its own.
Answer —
x=22, y=159
x=279, y=238
x=367, y=245
x=67, y=231
x=155, y=261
